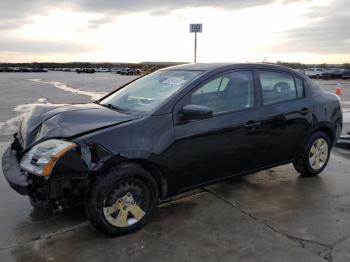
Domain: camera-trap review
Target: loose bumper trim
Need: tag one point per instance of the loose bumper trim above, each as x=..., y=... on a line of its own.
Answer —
x=344, y=142
x=17, y=179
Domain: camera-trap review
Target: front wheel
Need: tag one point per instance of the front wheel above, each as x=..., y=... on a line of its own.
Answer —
x=315, y=155
x=122, y=200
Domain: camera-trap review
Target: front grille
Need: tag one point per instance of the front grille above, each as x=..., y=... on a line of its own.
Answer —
x=38, y=188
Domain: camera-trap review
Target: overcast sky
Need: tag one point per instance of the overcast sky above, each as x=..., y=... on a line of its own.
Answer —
x=313, y=31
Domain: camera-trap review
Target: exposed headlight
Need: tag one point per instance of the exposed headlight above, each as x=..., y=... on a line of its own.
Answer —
x=41, y=159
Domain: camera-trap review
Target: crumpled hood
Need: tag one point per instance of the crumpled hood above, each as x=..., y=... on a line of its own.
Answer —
x=65, y=121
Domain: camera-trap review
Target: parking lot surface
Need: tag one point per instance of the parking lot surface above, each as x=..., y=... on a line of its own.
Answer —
x=273, y=215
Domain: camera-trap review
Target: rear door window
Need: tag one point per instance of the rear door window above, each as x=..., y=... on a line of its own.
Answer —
x=278, y=87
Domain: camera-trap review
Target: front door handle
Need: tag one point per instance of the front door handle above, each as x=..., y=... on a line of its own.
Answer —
x=305, y=111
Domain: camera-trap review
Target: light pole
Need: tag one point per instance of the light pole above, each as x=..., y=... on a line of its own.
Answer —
x=195, y=28
x=195, y=47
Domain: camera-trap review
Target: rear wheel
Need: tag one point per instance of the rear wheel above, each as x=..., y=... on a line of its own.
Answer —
x=315, y=156
x=123, y=200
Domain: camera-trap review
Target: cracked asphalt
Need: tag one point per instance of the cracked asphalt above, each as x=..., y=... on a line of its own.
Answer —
x=273, y=215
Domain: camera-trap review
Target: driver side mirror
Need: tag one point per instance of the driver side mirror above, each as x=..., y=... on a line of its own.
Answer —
x=191, y=112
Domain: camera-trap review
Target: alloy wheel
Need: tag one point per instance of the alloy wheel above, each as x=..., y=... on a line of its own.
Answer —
x=318, y=154
x=125, y=205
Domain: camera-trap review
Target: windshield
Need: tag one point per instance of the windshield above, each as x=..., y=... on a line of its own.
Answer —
x=149, y=92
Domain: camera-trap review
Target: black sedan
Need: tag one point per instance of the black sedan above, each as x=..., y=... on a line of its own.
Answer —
x=169, y=132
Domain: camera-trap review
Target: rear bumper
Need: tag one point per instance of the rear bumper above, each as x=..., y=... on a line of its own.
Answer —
x=17, y=179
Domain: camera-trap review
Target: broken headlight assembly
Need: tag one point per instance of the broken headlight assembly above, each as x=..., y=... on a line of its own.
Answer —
x=41, y=158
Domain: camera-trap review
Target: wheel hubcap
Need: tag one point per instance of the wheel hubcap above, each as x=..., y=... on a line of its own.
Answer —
x=318, y=154
x=124, y=212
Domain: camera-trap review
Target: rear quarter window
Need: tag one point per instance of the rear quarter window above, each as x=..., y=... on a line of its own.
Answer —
x=300, y=87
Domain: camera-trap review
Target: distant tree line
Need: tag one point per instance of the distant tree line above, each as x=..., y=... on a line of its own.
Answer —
x=65, y=65
x=150, y=65
x=304, y=66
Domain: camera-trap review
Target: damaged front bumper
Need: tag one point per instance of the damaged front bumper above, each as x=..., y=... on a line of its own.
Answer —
x=16, y=178
x=65, y=187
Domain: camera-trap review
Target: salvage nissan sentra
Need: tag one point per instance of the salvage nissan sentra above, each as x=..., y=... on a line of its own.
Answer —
x=169, y=132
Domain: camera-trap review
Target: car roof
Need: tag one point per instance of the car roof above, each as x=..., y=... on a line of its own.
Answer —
x=198, y=66
x=228, y=66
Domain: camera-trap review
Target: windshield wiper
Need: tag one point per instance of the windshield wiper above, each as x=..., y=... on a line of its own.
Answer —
x=110, y=106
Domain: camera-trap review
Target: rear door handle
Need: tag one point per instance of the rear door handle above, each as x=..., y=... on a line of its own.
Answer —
x=280, y=118
x=252, y=125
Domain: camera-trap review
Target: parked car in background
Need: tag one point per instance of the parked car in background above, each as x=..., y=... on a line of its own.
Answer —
x=124, y=71
x=130, y=71
x=335, y=72
x=86, y=70
x=318, y=73
x=7, y=69
x=39, y=70
x=169, y=132
x=25, y=70
x=346, y=74
x=134, y=71
x=102, y=70
x=116, y=70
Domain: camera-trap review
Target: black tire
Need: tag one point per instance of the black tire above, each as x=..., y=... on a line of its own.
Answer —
x=112, y=186
x=303, y=165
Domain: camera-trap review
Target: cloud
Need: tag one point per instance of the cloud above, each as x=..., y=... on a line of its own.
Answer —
x=328, y=33
x=42, y=47
x=95, y=23
x=12, y=23
x=15, y=13
x=153, y=6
